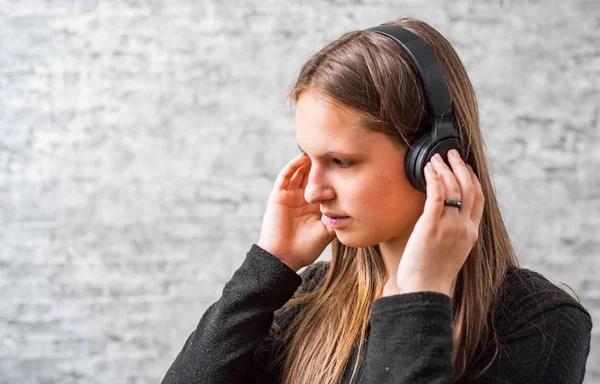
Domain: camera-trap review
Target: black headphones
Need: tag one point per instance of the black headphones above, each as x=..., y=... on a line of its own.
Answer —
x=443, y=135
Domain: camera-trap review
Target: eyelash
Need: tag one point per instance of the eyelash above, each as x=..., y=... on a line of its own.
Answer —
x=342, y=163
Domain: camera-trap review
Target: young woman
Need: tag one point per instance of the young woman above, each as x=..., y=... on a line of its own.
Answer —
x=421, y=287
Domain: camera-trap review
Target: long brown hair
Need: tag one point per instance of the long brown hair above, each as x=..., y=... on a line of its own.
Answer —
x=373, y=76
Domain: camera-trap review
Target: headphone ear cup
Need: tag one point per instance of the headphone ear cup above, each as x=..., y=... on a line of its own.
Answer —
x=421, y=152
x=414, y=163
x=444, y=146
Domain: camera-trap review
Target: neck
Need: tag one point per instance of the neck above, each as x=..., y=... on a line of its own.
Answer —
x=391, y=253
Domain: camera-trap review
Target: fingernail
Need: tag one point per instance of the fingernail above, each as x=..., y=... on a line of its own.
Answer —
x=453, y=153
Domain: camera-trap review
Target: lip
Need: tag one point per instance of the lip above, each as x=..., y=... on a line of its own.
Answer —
x=333, y=215
x=334, y=222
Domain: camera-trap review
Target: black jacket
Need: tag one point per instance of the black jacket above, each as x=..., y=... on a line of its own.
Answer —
x=544, y=333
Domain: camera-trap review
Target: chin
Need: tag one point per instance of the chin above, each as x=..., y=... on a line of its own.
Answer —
x=351, y=240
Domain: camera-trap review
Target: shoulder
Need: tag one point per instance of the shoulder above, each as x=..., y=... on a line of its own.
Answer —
x=541, y=334
x=525, y=293
x=529, y=306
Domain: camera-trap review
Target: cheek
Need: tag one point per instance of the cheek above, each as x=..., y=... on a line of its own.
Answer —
x=392, y=201
x=375, y=197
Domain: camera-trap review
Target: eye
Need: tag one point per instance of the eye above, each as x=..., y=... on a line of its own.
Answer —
x=342, y=163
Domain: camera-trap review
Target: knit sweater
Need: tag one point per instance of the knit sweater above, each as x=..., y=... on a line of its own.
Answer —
x=543, y=332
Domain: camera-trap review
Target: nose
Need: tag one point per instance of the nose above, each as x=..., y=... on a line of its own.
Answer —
x=317, y=189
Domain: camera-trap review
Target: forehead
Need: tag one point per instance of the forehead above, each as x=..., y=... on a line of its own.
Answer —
x=322, y=123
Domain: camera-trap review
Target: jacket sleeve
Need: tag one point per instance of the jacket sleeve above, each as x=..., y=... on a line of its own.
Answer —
x=410, y=339
x=544, y=337
x=237, y=334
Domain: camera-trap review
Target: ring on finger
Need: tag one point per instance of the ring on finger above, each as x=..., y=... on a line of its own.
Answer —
x=452, y=203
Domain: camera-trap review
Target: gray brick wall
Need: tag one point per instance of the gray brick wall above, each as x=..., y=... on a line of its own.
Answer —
x=140, y=141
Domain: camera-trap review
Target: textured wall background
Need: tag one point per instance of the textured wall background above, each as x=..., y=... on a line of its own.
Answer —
x=140, y=141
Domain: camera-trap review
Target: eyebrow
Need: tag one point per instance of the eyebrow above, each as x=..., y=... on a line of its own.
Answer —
x=330, y=154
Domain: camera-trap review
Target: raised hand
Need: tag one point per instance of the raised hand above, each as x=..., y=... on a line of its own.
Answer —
x=292, y=229
x=444, y=235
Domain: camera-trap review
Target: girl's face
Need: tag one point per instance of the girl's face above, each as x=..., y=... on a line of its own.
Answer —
x=363, y=177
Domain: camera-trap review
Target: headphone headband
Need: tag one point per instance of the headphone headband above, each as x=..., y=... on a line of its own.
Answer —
x=434, y=81
x=442, y=135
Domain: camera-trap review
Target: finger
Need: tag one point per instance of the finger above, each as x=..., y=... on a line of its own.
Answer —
x=434, y=204
x=306, y=176
x=463, y=178
x=451, y=187
x=478, y=198
x=298, y=179
x=283, y=179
